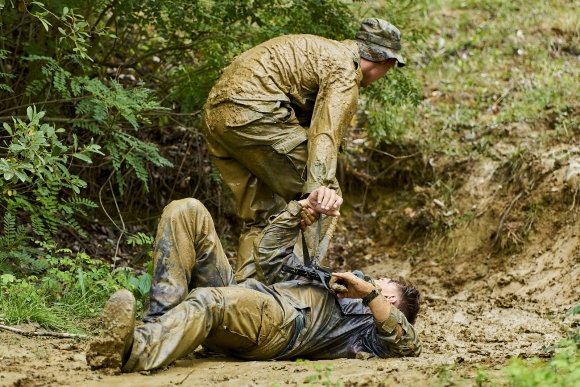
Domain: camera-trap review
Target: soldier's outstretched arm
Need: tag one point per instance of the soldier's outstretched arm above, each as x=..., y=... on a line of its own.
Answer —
x=275, y=245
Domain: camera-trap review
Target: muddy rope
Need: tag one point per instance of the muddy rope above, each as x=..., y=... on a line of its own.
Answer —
x=51, y=334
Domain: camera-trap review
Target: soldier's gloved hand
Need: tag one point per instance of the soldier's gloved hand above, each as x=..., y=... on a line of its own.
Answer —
x=324, y=200
x=356, y=286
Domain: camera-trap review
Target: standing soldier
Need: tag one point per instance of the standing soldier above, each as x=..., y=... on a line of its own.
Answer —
x=275, y=120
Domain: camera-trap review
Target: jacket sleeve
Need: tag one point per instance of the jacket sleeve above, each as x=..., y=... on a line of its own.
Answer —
x=274, y=246
x=335, y=106
x=406, y=345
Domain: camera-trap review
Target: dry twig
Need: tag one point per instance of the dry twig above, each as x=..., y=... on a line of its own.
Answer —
x=51, y=334
x=393, y=156
x=505, y=214
x=574, y=200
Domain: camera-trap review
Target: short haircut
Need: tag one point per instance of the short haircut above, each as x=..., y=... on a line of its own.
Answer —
x=408, y=302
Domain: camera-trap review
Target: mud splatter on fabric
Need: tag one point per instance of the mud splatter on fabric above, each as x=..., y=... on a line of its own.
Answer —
x=274, y=122
x=252, y=320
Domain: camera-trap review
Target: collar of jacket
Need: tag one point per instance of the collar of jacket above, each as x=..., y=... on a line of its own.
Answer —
x=353, y=48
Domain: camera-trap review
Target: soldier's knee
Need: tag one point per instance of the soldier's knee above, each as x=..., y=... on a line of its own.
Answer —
x=205, y=295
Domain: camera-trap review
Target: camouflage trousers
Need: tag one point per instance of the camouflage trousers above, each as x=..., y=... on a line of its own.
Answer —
x=190, y=302
x=262, y=157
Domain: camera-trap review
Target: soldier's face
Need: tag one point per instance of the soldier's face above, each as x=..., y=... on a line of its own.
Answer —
x=390, y=289
x=373, y=71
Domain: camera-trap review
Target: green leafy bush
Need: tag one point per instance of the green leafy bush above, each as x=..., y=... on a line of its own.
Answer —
x=70, y=287
x=563, y=370
x=386, y=104
x=15, y=254
x=35, y=172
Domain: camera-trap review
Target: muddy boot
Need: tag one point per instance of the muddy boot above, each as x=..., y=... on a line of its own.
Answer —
x=111, y=349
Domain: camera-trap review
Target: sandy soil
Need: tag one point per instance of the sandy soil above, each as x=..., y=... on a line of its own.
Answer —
x=460, y=334
x=457, y=334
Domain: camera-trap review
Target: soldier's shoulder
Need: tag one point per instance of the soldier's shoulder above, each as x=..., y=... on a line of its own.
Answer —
x=300, y=38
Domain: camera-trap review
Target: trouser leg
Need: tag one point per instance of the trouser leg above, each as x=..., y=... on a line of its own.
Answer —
x=261, y=178
x=245, y=323
x=255, y=200
x=187, y=254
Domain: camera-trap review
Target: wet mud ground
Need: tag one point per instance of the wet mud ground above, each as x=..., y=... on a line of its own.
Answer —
x=459, y=336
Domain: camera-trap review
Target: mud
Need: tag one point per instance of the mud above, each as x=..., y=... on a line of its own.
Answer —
x=474, y=328
x=456, y=334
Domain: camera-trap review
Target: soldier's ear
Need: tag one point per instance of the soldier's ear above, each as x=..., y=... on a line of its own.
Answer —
x=392, y=299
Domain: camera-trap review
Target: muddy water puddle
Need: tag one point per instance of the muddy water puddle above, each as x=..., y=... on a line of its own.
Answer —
x=458, y=338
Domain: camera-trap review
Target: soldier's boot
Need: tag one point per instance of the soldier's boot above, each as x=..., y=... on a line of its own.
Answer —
x=112, y=348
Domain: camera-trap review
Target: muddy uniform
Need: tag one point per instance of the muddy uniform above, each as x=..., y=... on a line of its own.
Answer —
x=251, y=321
x=274, y=122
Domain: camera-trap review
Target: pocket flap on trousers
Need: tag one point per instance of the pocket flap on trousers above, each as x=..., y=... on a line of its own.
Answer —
x=291, y=141
x=242, y=116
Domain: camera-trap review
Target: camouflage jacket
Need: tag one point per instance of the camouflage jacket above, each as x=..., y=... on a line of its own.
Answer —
x=330, y=327
x=317, y=79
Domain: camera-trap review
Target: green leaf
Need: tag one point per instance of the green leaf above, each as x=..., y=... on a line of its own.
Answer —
x=574, y=311
x=44, y=23
x=20, y=175
x=56, y=151
x=64, y=11
x=8, y=128
x=29, y=113
x=7, y=278
x=83, y=157
x=144, y=283
x=61, y=30
x=16, y=148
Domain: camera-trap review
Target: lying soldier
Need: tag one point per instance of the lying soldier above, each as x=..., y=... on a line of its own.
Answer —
x=195, y=300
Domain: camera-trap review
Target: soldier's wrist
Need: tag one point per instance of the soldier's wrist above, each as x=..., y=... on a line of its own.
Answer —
x=371, y=296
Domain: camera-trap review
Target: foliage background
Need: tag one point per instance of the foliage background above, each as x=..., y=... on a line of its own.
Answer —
x=101, y=104
x=100, y=107
x=111, y=91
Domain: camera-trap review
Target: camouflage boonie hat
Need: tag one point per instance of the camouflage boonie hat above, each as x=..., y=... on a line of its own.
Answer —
x=379, y=40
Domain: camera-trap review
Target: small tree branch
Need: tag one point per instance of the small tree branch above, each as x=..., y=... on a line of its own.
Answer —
x=393, y=156
x=51, y=334
x=505, y=214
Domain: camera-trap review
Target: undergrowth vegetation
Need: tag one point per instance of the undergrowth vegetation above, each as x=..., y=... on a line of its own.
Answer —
x=100, y=109
x=70, y=289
